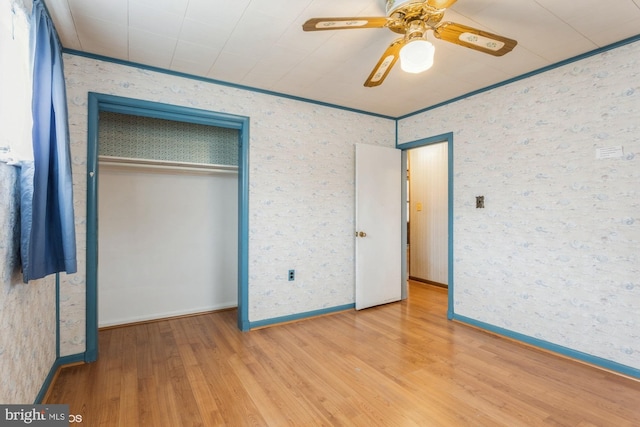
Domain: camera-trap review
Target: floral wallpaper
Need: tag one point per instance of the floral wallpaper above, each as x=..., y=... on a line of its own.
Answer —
x=301, y=178
x=27, y=311
x=138, y=137
x=555, y=253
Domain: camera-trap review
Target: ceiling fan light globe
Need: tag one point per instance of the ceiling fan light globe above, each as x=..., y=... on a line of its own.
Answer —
x=417, y=56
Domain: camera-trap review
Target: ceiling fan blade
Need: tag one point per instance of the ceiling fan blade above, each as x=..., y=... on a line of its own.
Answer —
x=386, y=62
x=441, y=4
x=321, y=24
x=473, y=38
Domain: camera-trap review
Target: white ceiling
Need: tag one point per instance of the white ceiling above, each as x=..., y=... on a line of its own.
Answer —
x=260, y=43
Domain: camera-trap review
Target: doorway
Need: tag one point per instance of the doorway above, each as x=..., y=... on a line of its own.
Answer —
x=439, y=268
x=114, y=104
x=427, y=219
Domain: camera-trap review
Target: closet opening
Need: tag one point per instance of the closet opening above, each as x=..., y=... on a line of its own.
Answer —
x=167, y=223
x=167, y=213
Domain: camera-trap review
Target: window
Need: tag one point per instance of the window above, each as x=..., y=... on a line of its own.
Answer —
x=15, y=83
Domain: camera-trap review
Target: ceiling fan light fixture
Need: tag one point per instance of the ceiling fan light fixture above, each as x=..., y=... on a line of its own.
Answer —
x=413, y=19
x=417, y=56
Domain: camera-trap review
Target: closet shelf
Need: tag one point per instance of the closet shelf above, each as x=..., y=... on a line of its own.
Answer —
x=166, y=165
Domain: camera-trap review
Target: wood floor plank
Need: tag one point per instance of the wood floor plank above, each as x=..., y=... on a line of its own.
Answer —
x=399, y=364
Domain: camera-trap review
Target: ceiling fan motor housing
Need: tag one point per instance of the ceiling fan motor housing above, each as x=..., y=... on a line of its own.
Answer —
x=402, y=14
x=395, y=5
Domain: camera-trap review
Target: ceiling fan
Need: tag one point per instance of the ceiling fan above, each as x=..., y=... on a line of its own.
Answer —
x=414, y=18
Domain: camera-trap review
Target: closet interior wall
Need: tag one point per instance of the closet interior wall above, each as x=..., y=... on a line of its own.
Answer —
x=167, y=218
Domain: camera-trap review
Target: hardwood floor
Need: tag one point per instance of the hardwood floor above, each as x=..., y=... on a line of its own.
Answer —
x=401, y=364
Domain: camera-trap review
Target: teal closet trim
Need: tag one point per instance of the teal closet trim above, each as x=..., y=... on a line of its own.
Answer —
x=99, y=103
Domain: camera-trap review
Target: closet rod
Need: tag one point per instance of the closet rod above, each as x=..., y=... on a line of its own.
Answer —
x=162, y=164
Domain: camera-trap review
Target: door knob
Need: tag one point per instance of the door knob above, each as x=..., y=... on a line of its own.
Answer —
x=362, y=234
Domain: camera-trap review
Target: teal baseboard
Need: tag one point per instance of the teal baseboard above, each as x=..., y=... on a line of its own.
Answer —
x=535, y=342
x=299, y=316
x=61, y=361
x=554, y=348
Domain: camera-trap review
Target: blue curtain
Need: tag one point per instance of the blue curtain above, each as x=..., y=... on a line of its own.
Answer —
x=48, y=242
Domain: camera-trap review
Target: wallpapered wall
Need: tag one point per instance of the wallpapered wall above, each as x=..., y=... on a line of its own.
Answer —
x=301, y=196
x=27, y=311
x=555, y=254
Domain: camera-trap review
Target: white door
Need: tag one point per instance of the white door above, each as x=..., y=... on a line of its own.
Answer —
x=378, y=225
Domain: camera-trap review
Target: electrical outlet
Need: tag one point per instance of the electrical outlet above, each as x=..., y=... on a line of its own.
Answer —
x=292, y=275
